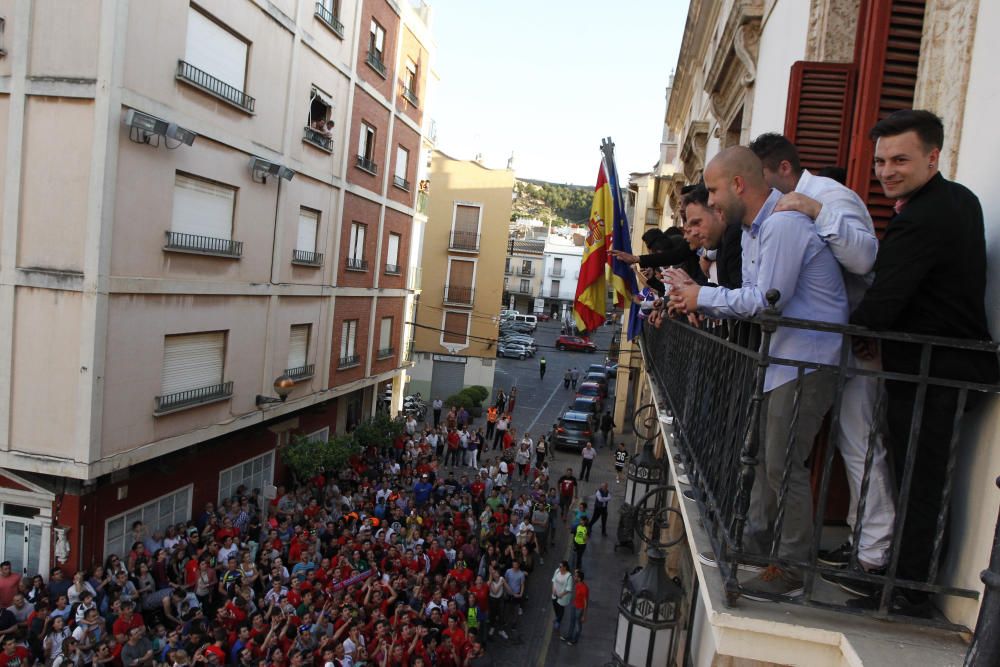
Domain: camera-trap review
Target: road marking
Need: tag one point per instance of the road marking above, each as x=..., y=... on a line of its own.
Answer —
x=532, y=424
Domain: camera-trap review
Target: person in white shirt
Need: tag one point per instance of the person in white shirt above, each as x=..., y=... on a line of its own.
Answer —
x=587, y=461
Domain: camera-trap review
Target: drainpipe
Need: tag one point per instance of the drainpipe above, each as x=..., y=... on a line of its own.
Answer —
x=984, y=651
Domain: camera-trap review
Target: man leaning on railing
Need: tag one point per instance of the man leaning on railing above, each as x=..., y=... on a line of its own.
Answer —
x=782, y=252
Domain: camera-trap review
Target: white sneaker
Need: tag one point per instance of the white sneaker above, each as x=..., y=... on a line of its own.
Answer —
x=504, y=635
x=707, y=558
x=683, y=479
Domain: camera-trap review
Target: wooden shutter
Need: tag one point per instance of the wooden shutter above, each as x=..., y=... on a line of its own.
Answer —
x=819, y=111
x=888, y=53
x=308, y=224
x=202, y=208
x=192, y=361
x=455, y=326
x=467, y=218
x=460, y=274
x=298, y=346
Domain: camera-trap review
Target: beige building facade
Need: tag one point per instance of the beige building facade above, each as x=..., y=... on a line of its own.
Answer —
x=463, y=276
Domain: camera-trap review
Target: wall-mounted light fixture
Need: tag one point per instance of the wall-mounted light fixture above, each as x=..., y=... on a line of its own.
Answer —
x=260, y=169
x=147, y=129
x=283, y=386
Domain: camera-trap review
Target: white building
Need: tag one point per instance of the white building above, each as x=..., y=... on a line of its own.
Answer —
x=562, y=258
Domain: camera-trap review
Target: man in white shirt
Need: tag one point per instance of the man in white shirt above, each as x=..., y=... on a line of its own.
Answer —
x=437, y=405
x=841, y=219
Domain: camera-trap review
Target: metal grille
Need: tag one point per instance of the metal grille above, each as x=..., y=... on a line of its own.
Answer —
x=307, y=258
x=357, y=264
x=190, y=74
x=301, y=372
x=349, y=362
x=375, y=61
x=367, y=165
x=317, y=139
x=400, y=182
x=192, y=397
x=464, y=241
x=331, y=21
x=205, y=245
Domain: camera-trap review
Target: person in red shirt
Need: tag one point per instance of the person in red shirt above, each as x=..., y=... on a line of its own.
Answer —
x=128, y=620
x=462, y=573
x=13, y=654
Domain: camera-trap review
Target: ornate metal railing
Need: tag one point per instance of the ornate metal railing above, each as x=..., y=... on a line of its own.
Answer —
x=199, y=79
x=330, y=19
x=368, y=165
x=374, y=60
x=317, y=139
x=410, y=96
x=356, y=264
x=386, y=352
x=349, y=361
x=461, y=240
x=461, y=295
x=393, y=269
x=401, y=183
x=301, y=372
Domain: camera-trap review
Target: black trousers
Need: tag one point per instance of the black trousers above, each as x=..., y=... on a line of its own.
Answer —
x=585, y=466
x=437, y=418
x=490, y=428
x=600, y=512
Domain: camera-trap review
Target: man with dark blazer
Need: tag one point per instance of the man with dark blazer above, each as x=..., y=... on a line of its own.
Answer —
x=930, y=278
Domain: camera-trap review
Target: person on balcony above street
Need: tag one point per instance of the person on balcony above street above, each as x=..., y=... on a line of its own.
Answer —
x=930, y=278
x=782, y=252
x=842, y=221
x=714, y=233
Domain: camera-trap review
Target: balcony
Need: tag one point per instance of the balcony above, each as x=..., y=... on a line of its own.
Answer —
x=393, y=269
x=458, y=295
x=528, y=273
x=519, y=289
x=401, y=183
x=348, y=362
x=329, y=20
x=317, y=139
x=557, y=273
x=508, y=270
x=301, y=372
x=205, y=82
x=410, y=96
x=364, y=164
x=182, y=400
x=408, y=353
x=356, y=264
x=203, y=245
x=374, y=60
x=385, y=352
x=709, y=405
x=464, y=241
x=553, y=293
x=422, y=202
x=307, y=258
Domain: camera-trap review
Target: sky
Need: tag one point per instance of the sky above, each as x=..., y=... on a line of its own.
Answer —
x=546, y=80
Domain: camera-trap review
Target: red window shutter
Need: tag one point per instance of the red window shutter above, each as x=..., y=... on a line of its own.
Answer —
x=888, y=52
x=818, y=114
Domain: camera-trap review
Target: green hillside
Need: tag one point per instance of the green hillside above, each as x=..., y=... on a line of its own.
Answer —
x=552, y=202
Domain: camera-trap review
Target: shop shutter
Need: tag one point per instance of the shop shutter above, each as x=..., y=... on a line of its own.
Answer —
x=298, y=346
x=818, y=115
x=888, y=54
x=202, y=208
x=192, y=361
x=214, y=50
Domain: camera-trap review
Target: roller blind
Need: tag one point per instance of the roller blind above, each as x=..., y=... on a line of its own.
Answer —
x=347, y=335
x=308, y=224
x=202, y=208
x=455, y=326
x=392, y=252
x=466, y=218
x=402, y=157
x=298, y=346
x=215, y=50
x=385, y=333
x=192, y=361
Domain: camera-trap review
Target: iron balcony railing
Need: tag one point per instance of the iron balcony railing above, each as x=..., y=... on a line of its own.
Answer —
x=653, y=216
x=307, y=258
x=367, y=165
x=393, y=269
x=199, y=79
x=557, y=273
x=522, y=290
x=203, y=245
x=408, y=353
x=349, y=361
x=410, y=96
x=191, y=397
x=712, y=380
x=356, y=264
x=401, y=183
x=374, y=60
x=461, y=295
x=461, y=240
x=331, y=21
x=317, y=139
x=508, y=270
x=553, y=294
x=526, y=272
x=301, y=372
x=386, y=352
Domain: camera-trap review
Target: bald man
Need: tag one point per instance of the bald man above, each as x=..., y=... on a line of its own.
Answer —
x=781, y=251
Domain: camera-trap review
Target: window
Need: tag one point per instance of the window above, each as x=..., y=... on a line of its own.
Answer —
x=410, y=83
x=506, y=265
x=305, y=239
x=328, y=12
x=456, y=326
x=319, y=124
x=348, y=337
x=555, y=289
x=385, y=338
x=557, y=269
x=465, y=230
x=255, y=473
x=366, y=149
x=392, y=254
x=402, y=161
x=525, y=286
x=298, y=352
x=376, y=40
x=356, y=247
x=156, y=515
x=215, y=60
x=3, y=24
x=461, y=279
x=322, y=435
x=202, y=217
x=526, y=267
x=192, y=370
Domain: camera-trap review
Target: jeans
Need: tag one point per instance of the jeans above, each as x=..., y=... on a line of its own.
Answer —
x=573, y=625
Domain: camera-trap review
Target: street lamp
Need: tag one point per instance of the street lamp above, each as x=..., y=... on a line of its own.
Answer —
x=645, y=472
x=648, y=612
x=283, y=386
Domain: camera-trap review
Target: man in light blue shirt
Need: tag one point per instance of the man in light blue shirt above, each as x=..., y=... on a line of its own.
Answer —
x=781, y=251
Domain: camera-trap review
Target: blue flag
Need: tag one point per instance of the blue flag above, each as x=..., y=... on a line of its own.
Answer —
x=622, y=275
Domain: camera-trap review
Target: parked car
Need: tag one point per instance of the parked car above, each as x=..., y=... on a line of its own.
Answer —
x=506, y=313
x=513, y=350
x=519, y=327
x=601, y=368
x=543, y=317
x=575, y=343
x=574, y=430
x=593, y=390
x=586, y=404
x=598, y=378
x=521, y=339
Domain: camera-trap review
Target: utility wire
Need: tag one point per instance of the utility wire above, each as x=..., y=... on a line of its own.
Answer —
x=482, y=339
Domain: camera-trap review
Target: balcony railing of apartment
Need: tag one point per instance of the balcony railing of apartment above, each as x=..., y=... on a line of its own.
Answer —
x=422, y=202
x=331, y=21
x=189, y=398
x=188, y=73
x=349, y=362
x=386, y=352
x=414, y=279
x=508, y=270
x=393, y=269
x=367, y=165
x=410, y=97
x=557, y=273
x=374, y=60
x=467, y=241
x=301, y=372
x=522, y=290
x=432, y=131
x=408, y=353
x=553, y=294
x=317, y=139
x=203, y=245
x=401, y=183
x=307, y=258
x=526, y=272
x=653, y=216
x=356, y=264
x=460, y=295
x=712, y=380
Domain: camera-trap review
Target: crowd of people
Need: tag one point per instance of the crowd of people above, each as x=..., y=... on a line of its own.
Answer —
x=759, y=222
x=417, y=553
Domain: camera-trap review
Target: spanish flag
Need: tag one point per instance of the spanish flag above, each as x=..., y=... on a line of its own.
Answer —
x=591, y=288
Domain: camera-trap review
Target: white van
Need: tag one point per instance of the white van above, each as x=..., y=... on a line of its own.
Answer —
x=526, y=319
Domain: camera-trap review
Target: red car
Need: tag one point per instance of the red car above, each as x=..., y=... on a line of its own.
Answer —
x=575, y=343
x=543, y=317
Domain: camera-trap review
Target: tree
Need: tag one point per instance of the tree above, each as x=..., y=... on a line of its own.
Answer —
x=308, y=457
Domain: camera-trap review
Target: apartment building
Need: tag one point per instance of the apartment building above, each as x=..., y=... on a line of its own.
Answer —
x=563, y=254
x=203, y=204
x=523, y=272
x=468, y=214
